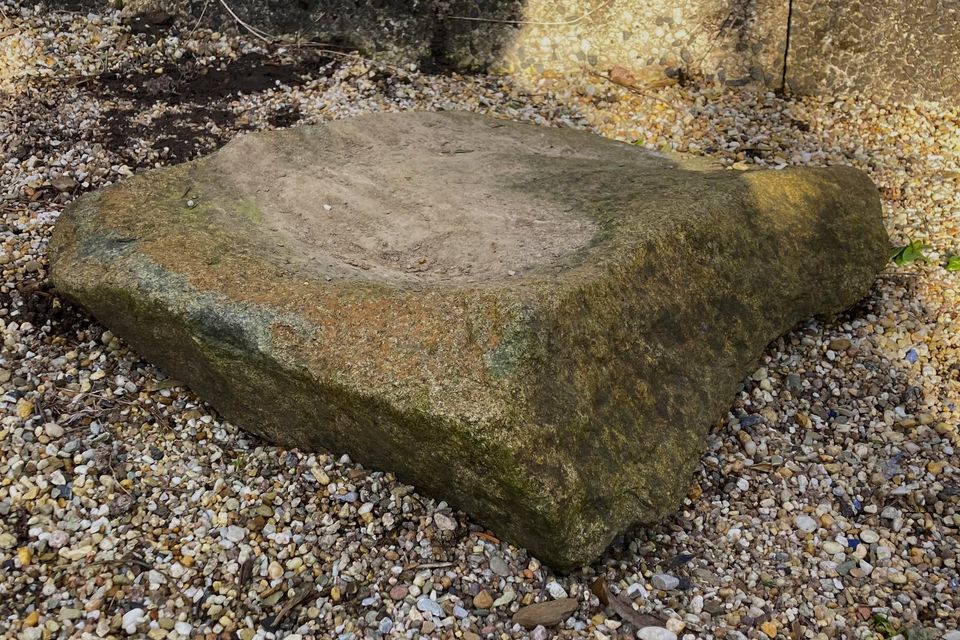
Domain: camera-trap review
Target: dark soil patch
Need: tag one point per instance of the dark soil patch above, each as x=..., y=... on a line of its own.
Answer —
x=189, y=81
x=285, y=117
x=195, y=94
x=79, y=6
x=151, y=23
x=184, y=135
x=178, y=136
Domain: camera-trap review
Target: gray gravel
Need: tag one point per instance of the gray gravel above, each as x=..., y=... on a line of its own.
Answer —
x=825, y=507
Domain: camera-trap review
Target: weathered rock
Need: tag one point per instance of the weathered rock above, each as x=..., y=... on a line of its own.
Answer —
x=538, y=325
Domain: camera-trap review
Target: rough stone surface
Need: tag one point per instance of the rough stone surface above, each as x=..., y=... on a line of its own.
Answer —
x=555, y=376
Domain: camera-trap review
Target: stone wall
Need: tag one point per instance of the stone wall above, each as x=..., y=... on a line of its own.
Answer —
x=738, y=41
x=904, y=48
x=907, y=50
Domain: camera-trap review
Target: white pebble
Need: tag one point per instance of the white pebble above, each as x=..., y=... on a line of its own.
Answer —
x=53, y=430
x=665, y=581
x=655, y=633
x=869, y=536
x=556, y=590
x=131, y=619
x=805, y=523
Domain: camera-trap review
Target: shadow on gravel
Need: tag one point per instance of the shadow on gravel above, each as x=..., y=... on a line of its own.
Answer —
x=189, y=80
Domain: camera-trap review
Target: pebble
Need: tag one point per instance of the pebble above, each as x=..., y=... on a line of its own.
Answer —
x=430, y=606
x=869, y=536
x=274, y=570
x=539, y=633
x=548, y=614
x=664, y=581
x=896, y=577
x=805, y=523
x=655, y=633
x=832, y=547
x=444, y=522
x=556, y=591
x=482, y=600
x=131, y=619
x=234, y=533
x=53, y=430
x=499, y=566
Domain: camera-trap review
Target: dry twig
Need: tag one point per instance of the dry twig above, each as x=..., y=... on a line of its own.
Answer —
x=298, y=598
x=320, y=47
x=631, y=88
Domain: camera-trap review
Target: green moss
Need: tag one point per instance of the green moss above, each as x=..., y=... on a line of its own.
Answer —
x=513, y=348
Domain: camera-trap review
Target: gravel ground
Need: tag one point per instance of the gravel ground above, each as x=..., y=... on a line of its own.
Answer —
x=827, y=504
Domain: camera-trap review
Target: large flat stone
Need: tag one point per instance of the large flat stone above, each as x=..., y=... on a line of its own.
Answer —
x=538, y=325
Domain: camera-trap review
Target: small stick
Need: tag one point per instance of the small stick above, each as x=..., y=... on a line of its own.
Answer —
x=631, y=88
x=263, y=35
x=202, y=12
x=321, y=47
x=298, y=598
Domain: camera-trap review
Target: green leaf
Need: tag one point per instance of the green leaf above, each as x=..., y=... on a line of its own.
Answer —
x=953, y=263
x=883, y=626
x=909, y=253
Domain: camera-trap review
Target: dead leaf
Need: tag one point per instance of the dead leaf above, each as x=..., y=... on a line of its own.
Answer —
x=622, y=75
x=24, y=408
x=624, y=608
x=548, y=614
x=489, y=537
x=599, y=589
x=246, y=571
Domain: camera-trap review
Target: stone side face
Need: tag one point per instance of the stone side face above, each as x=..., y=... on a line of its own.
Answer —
x=908, y=50
x=902, y=49
x=736, y=42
